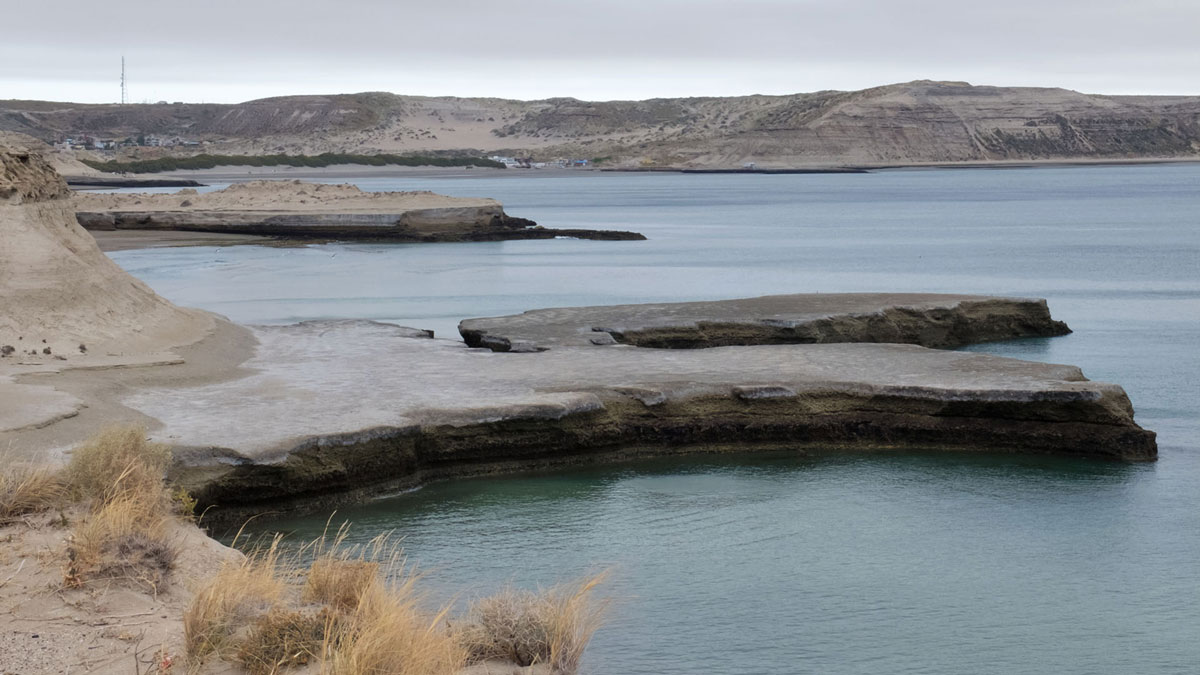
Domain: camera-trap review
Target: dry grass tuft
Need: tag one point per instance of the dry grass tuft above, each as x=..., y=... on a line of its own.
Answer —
x=383, y=628
x=118, y=459
x=125, y=535
x=340, y=583
x=284, y=639
x=340, y=574
x=389, y=633
x=527, y=628
x=26, y=487
x=124, y=539
x=231, y=600
x=357, y=612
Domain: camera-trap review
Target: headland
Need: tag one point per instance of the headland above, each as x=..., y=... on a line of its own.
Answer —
x=298, y=210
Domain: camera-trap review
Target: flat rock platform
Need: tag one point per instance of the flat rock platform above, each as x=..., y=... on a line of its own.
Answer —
x=931, y=320
x=298, y=210
x=331, y=409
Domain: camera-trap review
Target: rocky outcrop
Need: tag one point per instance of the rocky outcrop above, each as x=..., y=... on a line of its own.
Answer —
x=340, y=410
x=930, y=320
x=297, y=210
x=25, y=175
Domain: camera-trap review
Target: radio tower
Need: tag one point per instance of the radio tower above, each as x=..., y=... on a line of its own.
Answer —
x=124, y=92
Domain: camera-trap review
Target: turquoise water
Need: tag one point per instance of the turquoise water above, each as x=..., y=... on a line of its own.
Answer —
x=913, y=563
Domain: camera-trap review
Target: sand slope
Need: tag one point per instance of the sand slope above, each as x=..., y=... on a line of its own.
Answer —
x=64, y=305
x=58, y=291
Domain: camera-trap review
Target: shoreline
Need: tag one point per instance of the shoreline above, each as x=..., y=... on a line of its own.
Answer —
x=130, y=240
x=218, y=356
x=428, y=454
x=341, y=171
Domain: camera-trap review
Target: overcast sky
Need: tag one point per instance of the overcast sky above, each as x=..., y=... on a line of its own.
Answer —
x=236, y=50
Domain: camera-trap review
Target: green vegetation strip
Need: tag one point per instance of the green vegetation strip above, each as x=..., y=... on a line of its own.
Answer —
x=316, y=161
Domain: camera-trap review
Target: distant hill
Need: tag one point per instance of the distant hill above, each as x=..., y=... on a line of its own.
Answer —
x=915, y=122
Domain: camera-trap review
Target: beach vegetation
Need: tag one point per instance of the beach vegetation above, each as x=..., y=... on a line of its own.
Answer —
x=284, y=639
x=118, y=459
x=28, y=487
x=358, y=610
x=528, y=628
x=347, y=609
x=239, y=595
x=120, y=474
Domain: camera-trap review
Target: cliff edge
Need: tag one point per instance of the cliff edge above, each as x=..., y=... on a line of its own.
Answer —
x=63, y=303
x=59, y=295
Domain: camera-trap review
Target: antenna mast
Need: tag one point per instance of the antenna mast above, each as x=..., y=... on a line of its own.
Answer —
x=124, y=92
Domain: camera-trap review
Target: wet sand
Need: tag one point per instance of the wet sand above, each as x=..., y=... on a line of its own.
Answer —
x=125, y=240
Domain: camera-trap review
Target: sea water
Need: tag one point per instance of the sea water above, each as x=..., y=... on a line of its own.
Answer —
x=832, y=563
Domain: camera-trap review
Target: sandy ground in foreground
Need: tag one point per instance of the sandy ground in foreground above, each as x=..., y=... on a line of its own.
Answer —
x=115, y=626
x=94, y=390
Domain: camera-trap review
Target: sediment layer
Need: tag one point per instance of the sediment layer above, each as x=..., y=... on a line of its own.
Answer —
x=929, y=320
x=346, y=407
x=299, y=210
x=128, y=182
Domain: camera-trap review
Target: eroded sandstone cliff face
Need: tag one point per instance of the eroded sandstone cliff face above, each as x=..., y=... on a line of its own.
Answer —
x=26, y=176
x=60, y=297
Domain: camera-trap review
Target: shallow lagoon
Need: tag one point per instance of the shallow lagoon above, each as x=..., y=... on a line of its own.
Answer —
x=835, y=564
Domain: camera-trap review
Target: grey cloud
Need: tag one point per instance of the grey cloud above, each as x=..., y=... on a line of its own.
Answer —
x=606, y=48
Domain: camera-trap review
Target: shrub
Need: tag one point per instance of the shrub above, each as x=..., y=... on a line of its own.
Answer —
x=282, y=639
x=118, y=460
x=26, y=487
x=340, y=583
x=125, y=538
x=526, y=628
x=388, y=633
x=235, y=597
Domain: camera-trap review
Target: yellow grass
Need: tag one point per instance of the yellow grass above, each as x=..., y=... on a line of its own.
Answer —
x=125, y=535
x=360, y=601
x=235, y=598
x=339, y=574
x=124, y=539
x=284, y=639
x=117, y=459
x=26, y=487
x=552, y=627
x=340, y=583
x=381, y=627
x=389, y=634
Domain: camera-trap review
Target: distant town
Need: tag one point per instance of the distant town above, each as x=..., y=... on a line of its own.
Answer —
x=528, y=163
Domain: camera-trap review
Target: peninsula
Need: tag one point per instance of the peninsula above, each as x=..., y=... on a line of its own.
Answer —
x=297, y=210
